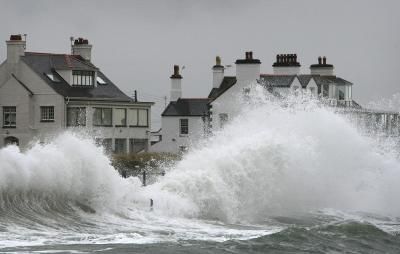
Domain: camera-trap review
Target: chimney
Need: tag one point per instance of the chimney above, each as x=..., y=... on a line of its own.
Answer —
x=82, y=47
x=15, y=48
x=286, y=64
x=322, y=68
x=248, y=69
x=176, y=84
x=218, y=73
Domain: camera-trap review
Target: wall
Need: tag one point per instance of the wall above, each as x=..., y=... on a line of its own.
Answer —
x=172, y=140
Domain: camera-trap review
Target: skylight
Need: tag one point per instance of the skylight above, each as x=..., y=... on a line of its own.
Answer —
x=52, y=77
x=100, y=81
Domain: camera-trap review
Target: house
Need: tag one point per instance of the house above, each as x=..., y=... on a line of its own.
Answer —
x=42, y=94
x=182, y=121
x=185, y=120
x=286, y=79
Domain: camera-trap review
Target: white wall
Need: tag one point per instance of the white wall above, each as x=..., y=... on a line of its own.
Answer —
x=288, y=70
x=172, y=139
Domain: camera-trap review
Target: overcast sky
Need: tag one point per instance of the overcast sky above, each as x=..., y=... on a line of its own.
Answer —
x=136, y=43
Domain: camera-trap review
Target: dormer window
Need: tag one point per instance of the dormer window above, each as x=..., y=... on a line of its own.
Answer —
x=82, y=78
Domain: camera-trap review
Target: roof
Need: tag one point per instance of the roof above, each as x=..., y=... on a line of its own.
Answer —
x=226, y=83
x=286, y=80
x=187, y=107
x=46, y=63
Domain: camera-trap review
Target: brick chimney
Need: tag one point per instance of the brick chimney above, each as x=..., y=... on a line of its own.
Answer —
x=286, y=64
x=218, y=72
x=15, y=48
x=82, y=47
x=176, y=84
x=248, y=69
x=322, y=68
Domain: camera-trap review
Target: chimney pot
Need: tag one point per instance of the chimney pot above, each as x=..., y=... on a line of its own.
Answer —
x=15, y=37
x=324, y=60
x=176, y=69
x=319, y=60
x=218, y=60
x=251, y=55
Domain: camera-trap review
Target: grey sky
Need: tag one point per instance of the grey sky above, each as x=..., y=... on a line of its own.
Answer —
x=136, y=43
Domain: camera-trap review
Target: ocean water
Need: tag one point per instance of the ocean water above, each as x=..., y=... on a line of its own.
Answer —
x=283, y=177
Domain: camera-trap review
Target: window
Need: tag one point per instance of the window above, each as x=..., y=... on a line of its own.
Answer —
x=138, y=117
x=105, y=143
x=47, y=113
x=76, y=116
x=9, y=117
x=223, y=119
x=142, y=117
x=100, y=81
x=137, y=145
x=52, y=77
x=341, y=92
x=120, y=145
x=102, y=117
x=120, y=117
x=82, y=78
x=184, y=126
x=325, y=90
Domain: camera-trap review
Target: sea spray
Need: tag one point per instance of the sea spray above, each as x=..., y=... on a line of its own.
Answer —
x=276, y=158
x=283, y=157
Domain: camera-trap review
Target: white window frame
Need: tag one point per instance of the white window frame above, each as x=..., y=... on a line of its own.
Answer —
x=183, y=128
x=47, y=113
x=10, y=110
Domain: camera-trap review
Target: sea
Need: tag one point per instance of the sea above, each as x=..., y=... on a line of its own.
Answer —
x=288, y=176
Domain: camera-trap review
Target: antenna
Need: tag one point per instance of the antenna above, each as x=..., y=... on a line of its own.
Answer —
x=71, y=38
x=25, y=35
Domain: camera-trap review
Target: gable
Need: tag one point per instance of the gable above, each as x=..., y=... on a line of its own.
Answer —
x=295, y=84
x=12, y=90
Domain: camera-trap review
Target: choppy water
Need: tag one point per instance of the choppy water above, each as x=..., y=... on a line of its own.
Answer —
x=295, y=178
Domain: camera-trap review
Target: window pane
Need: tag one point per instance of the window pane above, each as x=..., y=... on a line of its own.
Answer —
x=133, y=117
x=143, y=117
x=97, y=116
x=76, y=116
x=9, y=116
x=184, y=126
x=120, y=116
x=223, y=119
x=107, y=116
x=47, y=113
x=120, y=145
x=137, y=145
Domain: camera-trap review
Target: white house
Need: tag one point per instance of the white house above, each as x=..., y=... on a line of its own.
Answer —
x=183, y=120
x=286, y=78
x=42, y=94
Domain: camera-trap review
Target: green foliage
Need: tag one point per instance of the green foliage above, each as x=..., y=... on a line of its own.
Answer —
x=133, y=164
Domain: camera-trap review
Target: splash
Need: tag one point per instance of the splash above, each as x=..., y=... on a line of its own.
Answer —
x=281, y=158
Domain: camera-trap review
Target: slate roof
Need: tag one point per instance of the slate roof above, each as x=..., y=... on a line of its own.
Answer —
x=226, y=83
x=187, y=107
x=286, y=80
x=46, y=63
